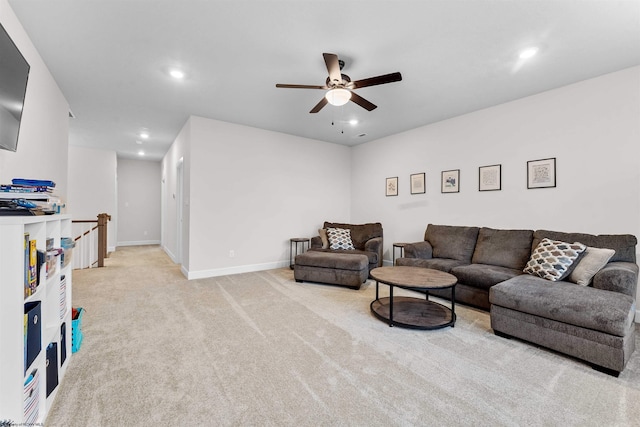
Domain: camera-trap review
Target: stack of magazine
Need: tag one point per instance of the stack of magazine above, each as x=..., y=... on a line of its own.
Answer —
x=29, y=197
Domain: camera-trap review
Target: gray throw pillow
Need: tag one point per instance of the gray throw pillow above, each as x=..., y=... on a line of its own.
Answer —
x=593, y=261
x=323, y=236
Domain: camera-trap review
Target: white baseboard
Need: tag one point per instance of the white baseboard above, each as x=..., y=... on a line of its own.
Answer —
x=202, y=274
x=170, y=254
x=139, y=243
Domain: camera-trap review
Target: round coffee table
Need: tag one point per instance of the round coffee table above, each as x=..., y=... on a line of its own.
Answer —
x=409, y=312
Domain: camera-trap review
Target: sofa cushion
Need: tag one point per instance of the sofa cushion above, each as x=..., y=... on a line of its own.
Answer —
x=360, y=233
x=340, y=238
x=586, y=307
x=552, y=259
x=371, y=256
x=453, y=242
x=339, y=261
x=594, y=260
x=623, y=244
x=504, y=248
x=442, y=264
x=483, y=276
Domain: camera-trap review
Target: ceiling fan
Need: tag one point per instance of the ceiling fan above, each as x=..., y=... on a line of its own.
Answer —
x=340, y=88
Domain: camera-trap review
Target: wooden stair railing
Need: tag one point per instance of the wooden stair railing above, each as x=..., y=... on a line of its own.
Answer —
x=101, y=230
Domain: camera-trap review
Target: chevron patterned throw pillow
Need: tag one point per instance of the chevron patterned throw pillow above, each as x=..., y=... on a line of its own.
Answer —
x=552, y=259
x=340, y=238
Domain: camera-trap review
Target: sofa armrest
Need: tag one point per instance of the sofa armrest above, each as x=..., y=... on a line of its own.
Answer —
x=619, y=277
x=422, y=250
x=375, y=245
x=316, y=242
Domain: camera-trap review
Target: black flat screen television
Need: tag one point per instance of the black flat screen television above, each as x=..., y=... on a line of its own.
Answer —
x=14, y=73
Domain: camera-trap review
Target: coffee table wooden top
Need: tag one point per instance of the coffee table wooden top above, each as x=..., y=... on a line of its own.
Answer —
x=414, y=277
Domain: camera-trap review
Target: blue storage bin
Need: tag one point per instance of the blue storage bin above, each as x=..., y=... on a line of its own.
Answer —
x=76, y=330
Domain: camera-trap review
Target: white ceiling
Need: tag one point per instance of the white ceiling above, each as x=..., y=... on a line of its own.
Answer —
x=111, y=57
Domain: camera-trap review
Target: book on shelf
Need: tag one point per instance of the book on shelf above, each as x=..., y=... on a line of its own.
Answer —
x=27, y=288
x=32, y=260
x=10, y=188
x=33, y=266
x=33, y=182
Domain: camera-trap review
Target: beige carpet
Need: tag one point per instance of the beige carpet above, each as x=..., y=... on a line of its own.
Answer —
x=260, y=349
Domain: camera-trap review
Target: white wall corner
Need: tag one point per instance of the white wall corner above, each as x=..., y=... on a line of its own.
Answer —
x=170, y=254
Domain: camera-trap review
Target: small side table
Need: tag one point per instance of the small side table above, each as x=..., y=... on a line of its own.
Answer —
x=296, y=241
x=399, y=246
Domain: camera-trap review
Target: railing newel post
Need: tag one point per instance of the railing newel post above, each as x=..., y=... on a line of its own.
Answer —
x=101, y=231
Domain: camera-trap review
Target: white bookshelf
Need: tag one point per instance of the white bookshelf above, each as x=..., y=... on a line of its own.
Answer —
x=55, y=309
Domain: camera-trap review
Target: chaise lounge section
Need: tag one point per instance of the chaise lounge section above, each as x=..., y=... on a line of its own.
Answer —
x=585, y=307
x=346, y=267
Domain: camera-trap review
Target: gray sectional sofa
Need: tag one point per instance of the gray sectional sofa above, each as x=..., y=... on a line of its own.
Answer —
x=593, y=322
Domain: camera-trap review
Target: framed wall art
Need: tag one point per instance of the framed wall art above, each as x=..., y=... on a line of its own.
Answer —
x=541, y=173
x=490, y=178
x=450, y=181
x=417, y=183
x=392, y=186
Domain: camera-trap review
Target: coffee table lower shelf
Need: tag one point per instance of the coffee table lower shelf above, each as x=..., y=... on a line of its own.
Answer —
x=415, y=313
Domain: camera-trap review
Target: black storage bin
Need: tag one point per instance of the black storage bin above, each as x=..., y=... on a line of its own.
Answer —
x=63, y=343
x=52, y=367
x=33, y=333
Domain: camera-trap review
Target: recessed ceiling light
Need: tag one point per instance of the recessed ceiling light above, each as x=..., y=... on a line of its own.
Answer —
x=528, y=52
x=353, y=122
x=177, y=74
x=144, y=135
x=140, y=153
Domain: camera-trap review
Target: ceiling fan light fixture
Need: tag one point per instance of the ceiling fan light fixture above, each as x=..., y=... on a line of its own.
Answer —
x=177, y=74
x=529, y=52
x=338, y=96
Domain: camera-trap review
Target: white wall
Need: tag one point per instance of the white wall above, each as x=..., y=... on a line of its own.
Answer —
x=592, y=128
x=250, y=190
x=172, y=212
x=138, y=202
x=92, y=187
x=44, y=132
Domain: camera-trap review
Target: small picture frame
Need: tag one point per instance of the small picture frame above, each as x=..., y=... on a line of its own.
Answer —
x=450, y=181
x=392, y=186
x=417, y=183
x=541, y=173
x=490, y=178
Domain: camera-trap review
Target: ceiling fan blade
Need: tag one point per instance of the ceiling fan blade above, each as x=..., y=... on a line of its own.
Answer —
x=379, y=80
x=362, y=102
x=319, y=105
x=333, y=67
x=301, y=86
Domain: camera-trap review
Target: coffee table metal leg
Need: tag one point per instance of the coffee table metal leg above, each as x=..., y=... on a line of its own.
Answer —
x=453, y=306
x=377, y=290
x=390, y=305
